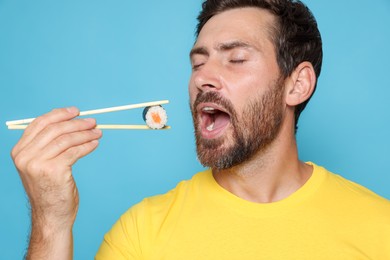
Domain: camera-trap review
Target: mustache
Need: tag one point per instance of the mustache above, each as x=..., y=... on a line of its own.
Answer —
x=213, y=97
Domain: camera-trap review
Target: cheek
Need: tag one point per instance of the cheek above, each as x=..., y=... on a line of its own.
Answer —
x=248, y=88
x=192, y=90
x=242, y=85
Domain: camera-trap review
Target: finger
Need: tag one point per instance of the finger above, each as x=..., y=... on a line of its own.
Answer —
x=67, y=141
x=36, y=126
x=55, y=130
x=74, y=153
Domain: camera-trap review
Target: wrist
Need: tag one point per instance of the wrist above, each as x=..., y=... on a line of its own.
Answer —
x=50, y=238
x=48, y=242
x=51, y=221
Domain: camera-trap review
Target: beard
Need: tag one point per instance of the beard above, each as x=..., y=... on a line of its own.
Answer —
x=252, y=131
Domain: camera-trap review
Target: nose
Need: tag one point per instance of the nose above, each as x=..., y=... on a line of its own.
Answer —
x=207, y=77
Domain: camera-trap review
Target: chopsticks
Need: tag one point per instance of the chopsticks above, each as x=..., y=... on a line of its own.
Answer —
x=106, y=127
x=23, y=123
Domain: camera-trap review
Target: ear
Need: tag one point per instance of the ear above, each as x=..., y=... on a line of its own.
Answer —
x=301, y=84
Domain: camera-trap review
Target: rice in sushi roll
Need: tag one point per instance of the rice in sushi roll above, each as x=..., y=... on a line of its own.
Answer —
x=155, y=117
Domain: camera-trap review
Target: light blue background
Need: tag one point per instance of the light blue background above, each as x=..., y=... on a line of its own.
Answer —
x=95, y=54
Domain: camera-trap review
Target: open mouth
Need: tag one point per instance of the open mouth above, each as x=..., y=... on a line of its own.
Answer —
x=214, y=120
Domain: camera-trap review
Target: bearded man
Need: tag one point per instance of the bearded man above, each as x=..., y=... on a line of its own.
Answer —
x=255, y=65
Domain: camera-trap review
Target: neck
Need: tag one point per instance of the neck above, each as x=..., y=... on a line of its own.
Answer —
x=270, y=175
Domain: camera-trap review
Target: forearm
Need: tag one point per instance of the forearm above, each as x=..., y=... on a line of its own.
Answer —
x=50, y=243
x=44, y=157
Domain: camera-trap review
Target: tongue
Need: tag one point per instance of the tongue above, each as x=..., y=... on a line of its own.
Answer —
x=221, y=120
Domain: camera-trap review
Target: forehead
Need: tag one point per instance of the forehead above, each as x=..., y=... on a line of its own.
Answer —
x=249, y=24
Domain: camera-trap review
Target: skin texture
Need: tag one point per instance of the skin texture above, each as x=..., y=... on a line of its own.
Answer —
x=253, y=130
x=235, y=58
x=44, y=157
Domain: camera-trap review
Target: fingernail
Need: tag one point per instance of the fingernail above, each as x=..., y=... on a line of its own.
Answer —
x=90, y=120
x=72, y=110
x=95, y=142
x=97, y=131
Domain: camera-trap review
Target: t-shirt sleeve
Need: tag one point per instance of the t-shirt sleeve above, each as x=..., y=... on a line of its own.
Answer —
x=122, y=241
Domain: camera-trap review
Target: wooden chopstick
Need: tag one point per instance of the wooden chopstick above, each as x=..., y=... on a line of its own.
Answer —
x=112, y=127
x=96, y=111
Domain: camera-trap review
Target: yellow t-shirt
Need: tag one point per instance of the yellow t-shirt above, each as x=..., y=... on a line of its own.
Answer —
x=327, y=218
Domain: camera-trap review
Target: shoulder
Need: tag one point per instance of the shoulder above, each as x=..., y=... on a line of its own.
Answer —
x=160, y=205
x=131, y=237
x=156, y=216
x=348, y=193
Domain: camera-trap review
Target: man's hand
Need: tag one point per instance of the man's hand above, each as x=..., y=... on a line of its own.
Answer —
x=44, y=157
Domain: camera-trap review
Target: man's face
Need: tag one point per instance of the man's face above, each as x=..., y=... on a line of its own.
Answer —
x=236, y=91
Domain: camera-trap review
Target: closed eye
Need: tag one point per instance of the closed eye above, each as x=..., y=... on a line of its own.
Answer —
x=197, y=66
x=237, y=61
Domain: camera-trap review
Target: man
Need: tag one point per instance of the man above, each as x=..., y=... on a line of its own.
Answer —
x=255, y=66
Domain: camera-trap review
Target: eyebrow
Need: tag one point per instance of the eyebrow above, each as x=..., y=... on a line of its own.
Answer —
x=199, y=50
x=222, y=47
x=232, y=45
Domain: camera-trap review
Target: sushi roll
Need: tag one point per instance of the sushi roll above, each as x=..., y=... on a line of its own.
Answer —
x=155, y=117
